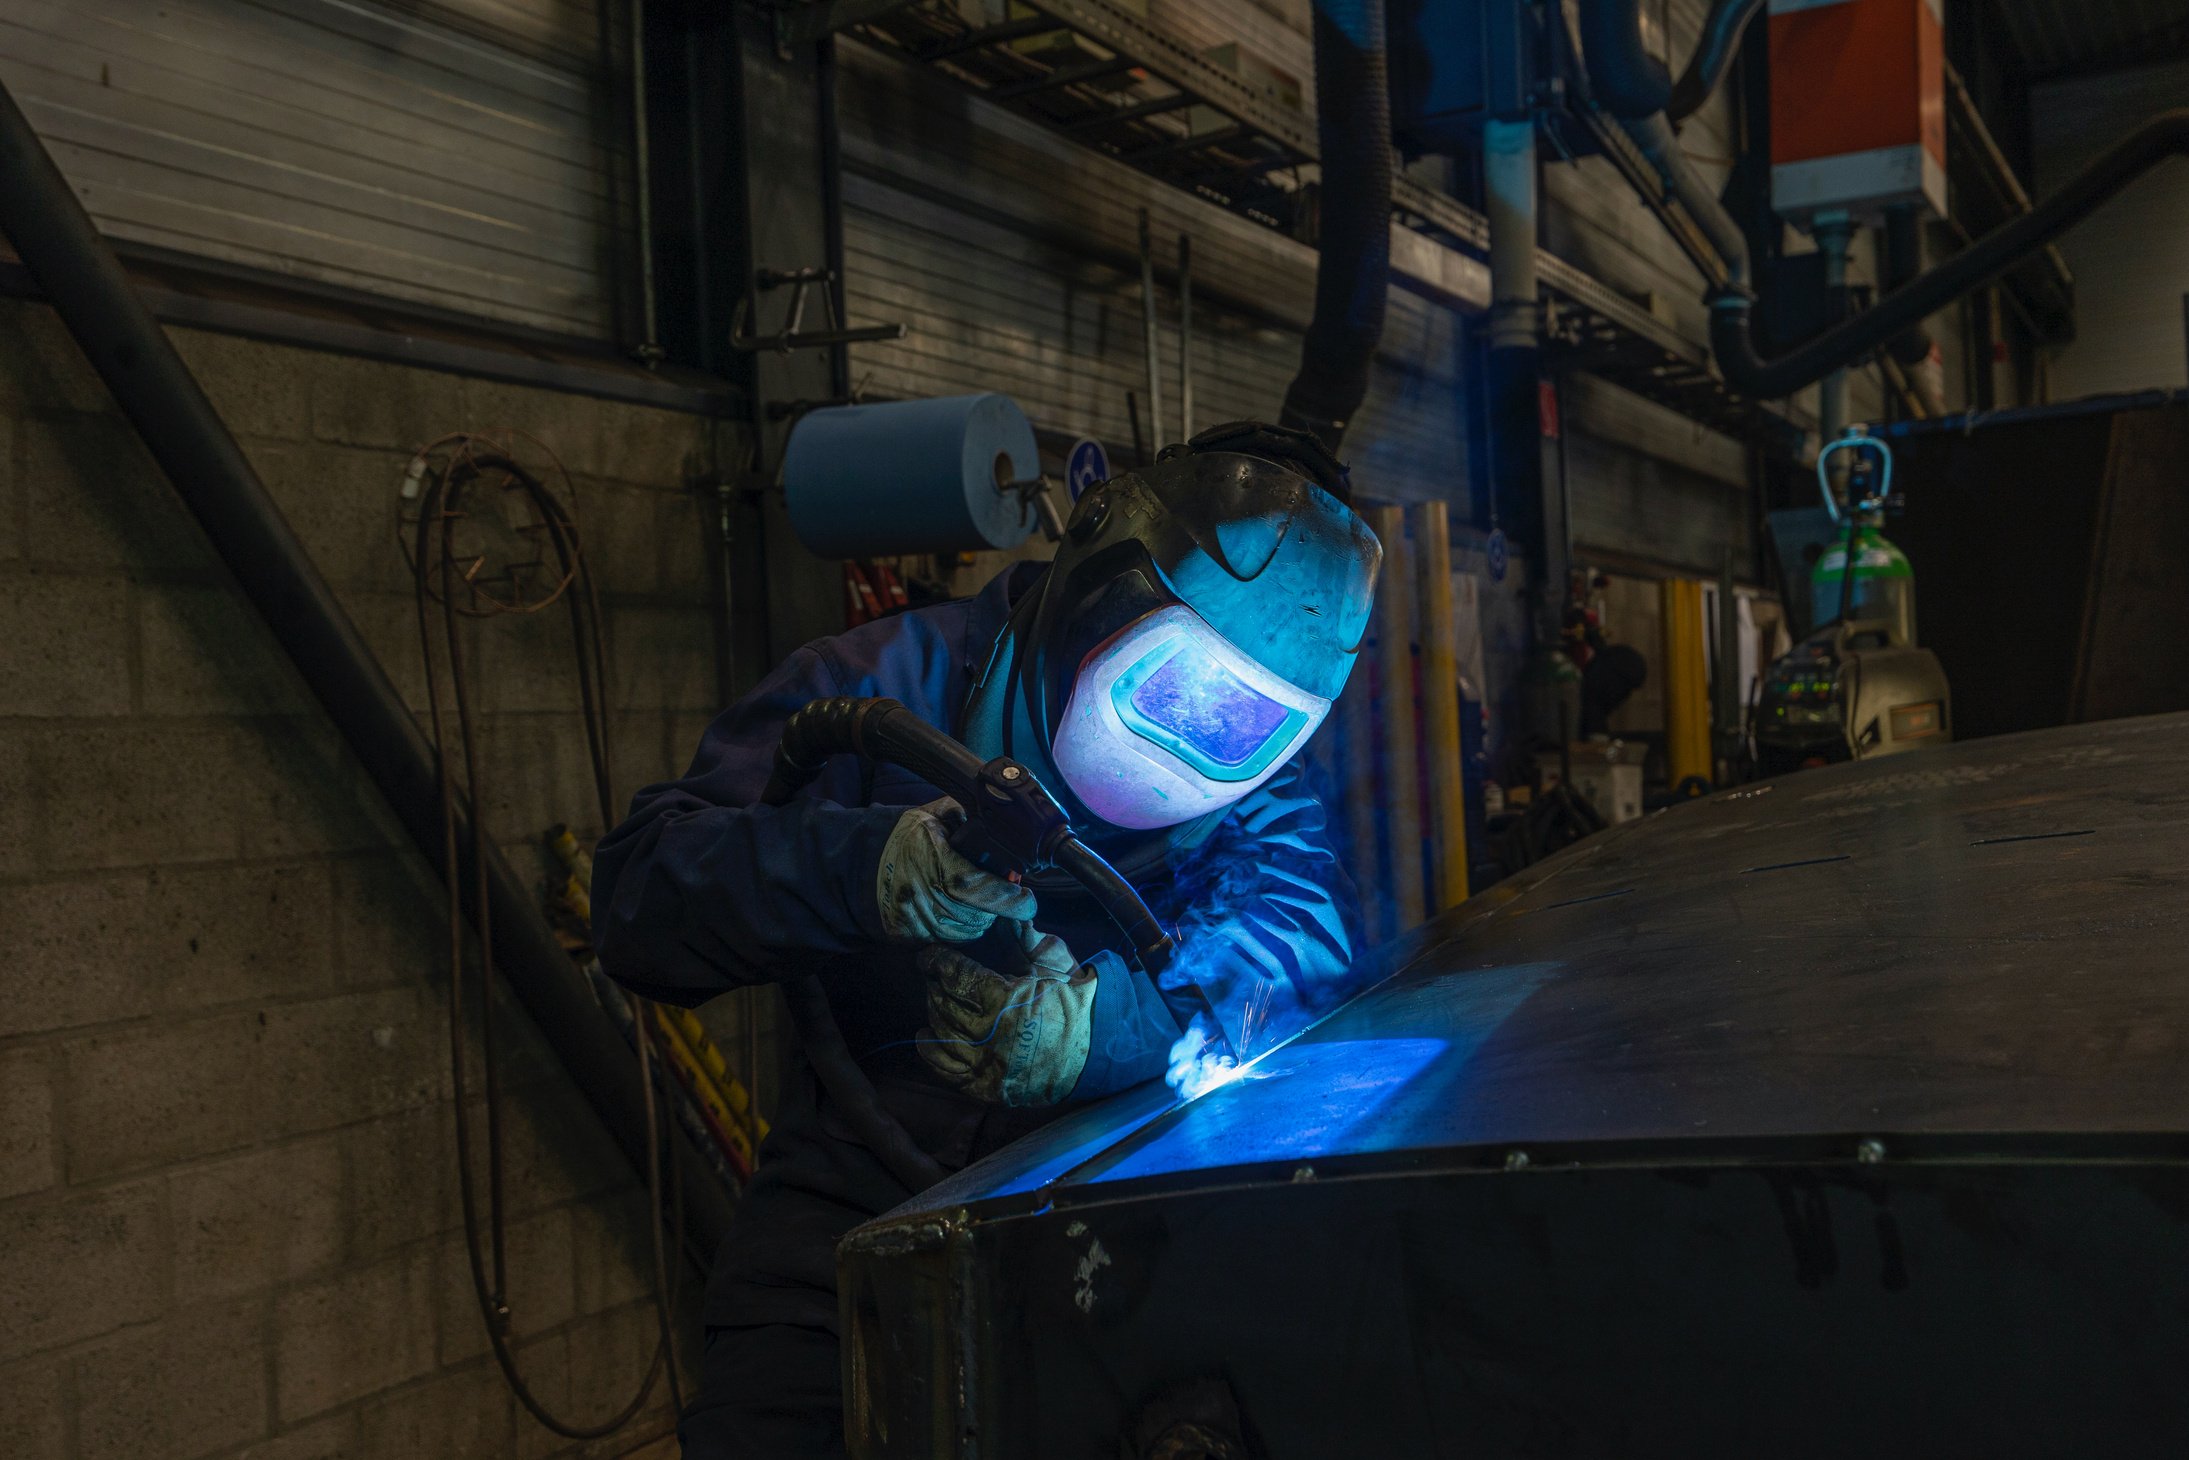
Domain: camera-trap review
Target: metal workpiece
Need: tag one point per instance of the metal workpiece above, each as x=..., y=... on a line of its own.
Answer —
x=1869, y=1081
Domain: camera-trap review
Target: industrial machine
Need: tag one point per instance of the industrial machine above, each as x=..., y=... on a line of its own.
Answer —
x=1843, y=1117
x=1858, y=686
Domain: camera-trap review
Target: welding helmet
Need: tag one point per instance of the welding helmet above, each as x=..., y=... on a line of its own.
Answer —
x=1201, y=616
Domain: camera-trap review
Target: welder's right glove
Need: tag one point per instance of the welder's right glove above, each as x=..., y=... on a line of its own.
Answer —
x=930, y=894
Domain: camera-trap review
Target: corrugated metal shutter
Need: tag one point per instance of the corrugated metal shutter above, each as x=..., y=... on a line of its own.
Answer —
x=460, y=153
x=1012, y=254
x=2131, y=270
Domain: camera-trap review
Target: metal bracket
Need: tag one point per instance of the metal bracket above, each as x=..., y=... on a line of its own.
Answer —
x=801, y=282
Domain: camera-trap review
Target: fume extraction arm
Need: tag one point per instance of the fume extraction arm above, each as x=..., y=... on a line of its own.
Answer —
x=1635, y=89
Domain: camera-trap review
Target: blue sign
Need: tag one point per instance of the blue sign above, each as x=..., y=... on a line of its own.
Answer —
x=1497, y=553
x=1087, y=464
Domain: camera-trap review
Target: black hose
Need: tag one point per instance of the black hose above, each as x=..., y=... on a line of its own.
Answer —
x=157, y=393
x=1723, y=28
x=1353, y=269
x=2165, y=135
x=1624, y=78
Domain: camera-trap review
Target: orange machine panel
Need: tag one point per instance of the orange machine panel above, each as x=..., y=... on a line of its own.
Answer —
x=1858, y=116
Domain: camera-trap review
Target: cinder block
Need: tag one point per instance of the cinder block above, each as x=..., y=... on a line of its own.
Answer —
x=399, y=1181
x=558, y=1150
x=612, y=1250
x=538, y=774
x=620, y=533
x=527, y=418
x=464, y=1415
x=204, y=1086
x=95, y=499
x=194, y=1385
x=34, y=1401
x=610, y=1353
x=390, y=921
x=353, y=1334
x=540, y=1287
x=662, y=657
x=13, y=529
x=148, y=793
x=27, y=1159
x=519, y=663
x=688, y=525
x=81, y=1264
x=41, y=368
x=94, y=949
x=257, y=1220
x=334, y=1437
x=259, y=389
x=345, y=504
x=67, y=638
x=653, y=447
x=370, y=403
x=206, y=651
x=389, y=623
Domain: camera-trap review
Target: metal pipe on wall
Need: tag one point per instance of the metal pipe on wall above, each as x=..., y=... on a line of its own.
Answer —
x=1185, y=337
x=1686, y=681
x=1447, y=788
x=1395, y=697
x=1148, y=333
x=55, y=238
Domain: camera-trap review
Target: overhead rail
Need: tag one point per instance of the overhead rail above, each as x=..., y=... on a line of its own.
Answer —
x=1120, y=85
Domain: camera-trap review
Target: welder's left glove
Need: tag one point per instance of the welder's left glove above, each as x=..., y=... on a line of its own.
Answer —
x=1015, y=1040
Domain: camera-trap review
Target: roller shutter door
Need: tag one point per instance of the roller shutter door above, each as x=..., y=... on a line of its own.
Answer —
x=463, y=154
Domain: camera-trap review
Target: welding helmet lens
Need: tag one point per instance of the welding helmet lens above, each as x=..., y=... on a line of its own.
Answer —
x=1167, y=721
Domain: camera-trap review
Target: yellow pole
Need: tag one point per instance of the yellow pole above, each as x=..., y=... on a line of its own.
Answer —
x=1395, y=696
x=1440, y=707
x=1686, y=681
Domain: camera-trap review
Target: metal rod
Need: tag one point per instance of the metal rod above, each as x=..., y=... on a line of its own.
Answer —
x=1357, y=708
x=1185, y=337
x=1147, y=323
x=1440, y=725
x=1395, y=698
x=56, y=241
x=649, y=350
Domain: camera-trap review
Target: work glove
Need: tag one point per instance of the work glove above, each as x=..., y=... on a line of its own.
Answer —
x=1011, y=1040
x=930, y=894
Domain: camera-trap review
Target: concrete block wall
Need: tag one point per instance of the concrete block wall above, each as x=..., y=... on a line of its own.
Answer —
x=228, y=1202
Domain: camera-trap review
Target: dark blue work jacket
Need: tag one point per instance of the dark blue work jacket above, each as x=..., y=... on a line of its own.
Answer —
x=702, y=890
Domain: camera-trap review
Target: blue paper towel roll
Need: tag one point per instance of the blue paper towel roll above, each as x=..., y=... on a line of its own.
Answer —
x=916, y=476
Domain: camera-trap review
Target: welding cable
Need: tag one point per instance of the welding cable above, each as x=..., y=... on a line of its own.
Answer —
x=439, y=574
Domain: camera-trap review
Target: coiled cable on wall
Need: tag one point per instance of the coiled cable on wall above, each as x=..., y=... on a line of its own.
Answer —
x=452, y=582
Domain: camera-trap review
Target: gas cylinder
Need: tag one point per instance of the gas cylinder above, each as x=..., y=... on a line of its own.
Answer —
x=1883, y=586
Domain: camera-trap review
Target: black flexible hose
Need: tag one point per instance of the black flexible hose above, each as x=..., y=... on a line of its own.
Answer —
x=1723, y=28
x=1624, y=78
x=2165, y=135
x=1353, y=268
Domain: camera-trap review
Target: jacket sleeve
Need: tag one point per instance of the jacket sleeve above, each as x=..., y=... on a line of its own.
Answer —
x=1268, y=928
x=701, y=889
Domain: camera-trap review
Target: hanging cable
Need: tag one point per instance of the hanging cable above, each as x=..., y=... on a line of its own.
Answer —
x=542, y=564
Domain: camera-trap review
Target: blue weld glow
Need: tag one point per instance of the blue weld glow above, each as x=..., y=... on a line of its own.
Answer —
x=1209, y=707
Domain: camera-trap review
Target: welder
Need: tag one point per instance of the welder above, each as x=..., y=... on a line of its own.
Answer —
x=1158, y=677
